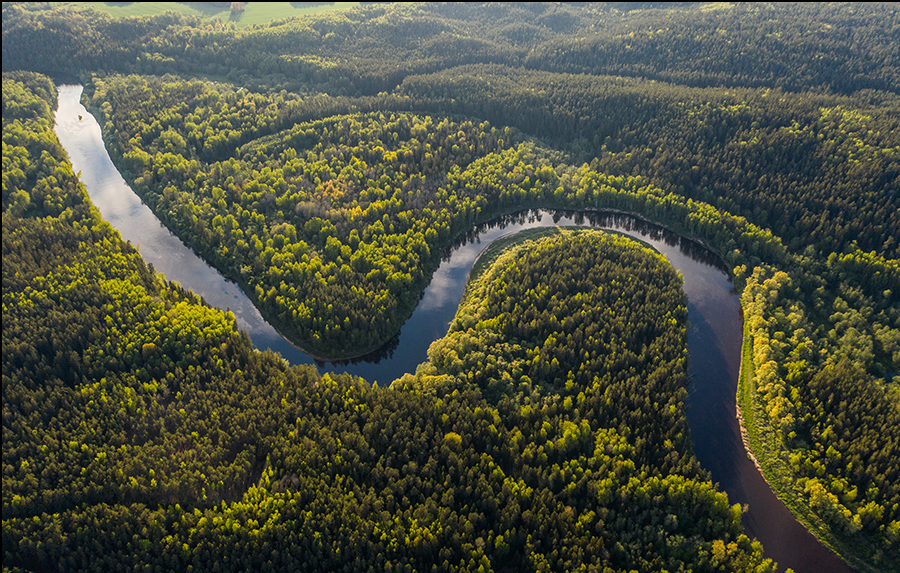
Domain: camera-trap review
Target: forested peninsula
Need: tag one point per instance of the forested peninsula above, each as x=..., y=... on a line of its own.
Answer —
x=326, y=163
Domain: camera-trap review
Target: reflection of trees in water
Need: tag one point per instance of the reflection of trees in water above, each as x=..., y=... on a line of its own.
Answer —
x=473, y=235
x=598, y=219
x=532, y=218
x=64, y=79
x=386, y=352
x=699, y=253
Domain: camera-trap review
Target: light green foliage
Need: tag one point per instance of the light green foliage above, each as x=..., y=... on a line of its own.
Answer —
x=564, y=321
x=118, y=384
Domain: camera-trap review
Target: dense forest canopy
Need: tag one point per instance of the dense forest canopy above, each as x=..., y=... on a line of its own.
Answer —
x=140, y=429
x=327, y=162
x=835, y=47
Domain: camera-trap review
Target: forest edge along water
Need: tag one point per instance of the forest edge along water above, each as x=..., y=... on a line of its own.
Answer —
x=714, y=334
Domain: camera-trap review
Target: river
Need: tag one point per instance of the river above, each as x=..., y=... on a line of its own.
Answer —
x=714, y=336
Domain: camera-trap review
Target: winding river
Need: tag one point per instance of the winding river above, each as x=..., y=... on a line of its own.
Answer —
x=714, y=336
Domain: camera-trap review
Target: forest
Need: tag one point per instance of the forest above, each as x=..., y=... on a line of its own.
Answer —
x=135, y=417
x=326, y=163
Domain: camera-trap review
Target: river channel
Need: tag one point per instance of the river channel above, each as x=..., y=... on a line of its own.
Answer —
x=714, y=336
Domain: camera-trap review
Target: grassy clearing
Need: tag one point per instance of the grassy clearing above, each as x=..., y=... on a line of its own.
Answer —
x=254, y=13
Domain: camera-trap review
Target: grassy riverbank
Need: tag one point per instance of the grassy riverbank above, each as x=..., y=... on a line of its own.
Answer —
x=768, y=453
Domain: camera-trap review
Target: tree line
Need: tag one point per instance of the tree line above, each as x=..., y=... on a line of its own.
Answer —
x=369, y=50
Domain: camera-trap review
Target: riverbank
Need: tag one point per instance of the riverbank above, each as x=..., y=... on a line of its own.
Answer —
x=762, y=443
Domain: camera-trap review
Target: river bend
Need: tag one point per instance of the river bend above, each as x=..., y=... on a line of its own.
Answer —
x=714, y=335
